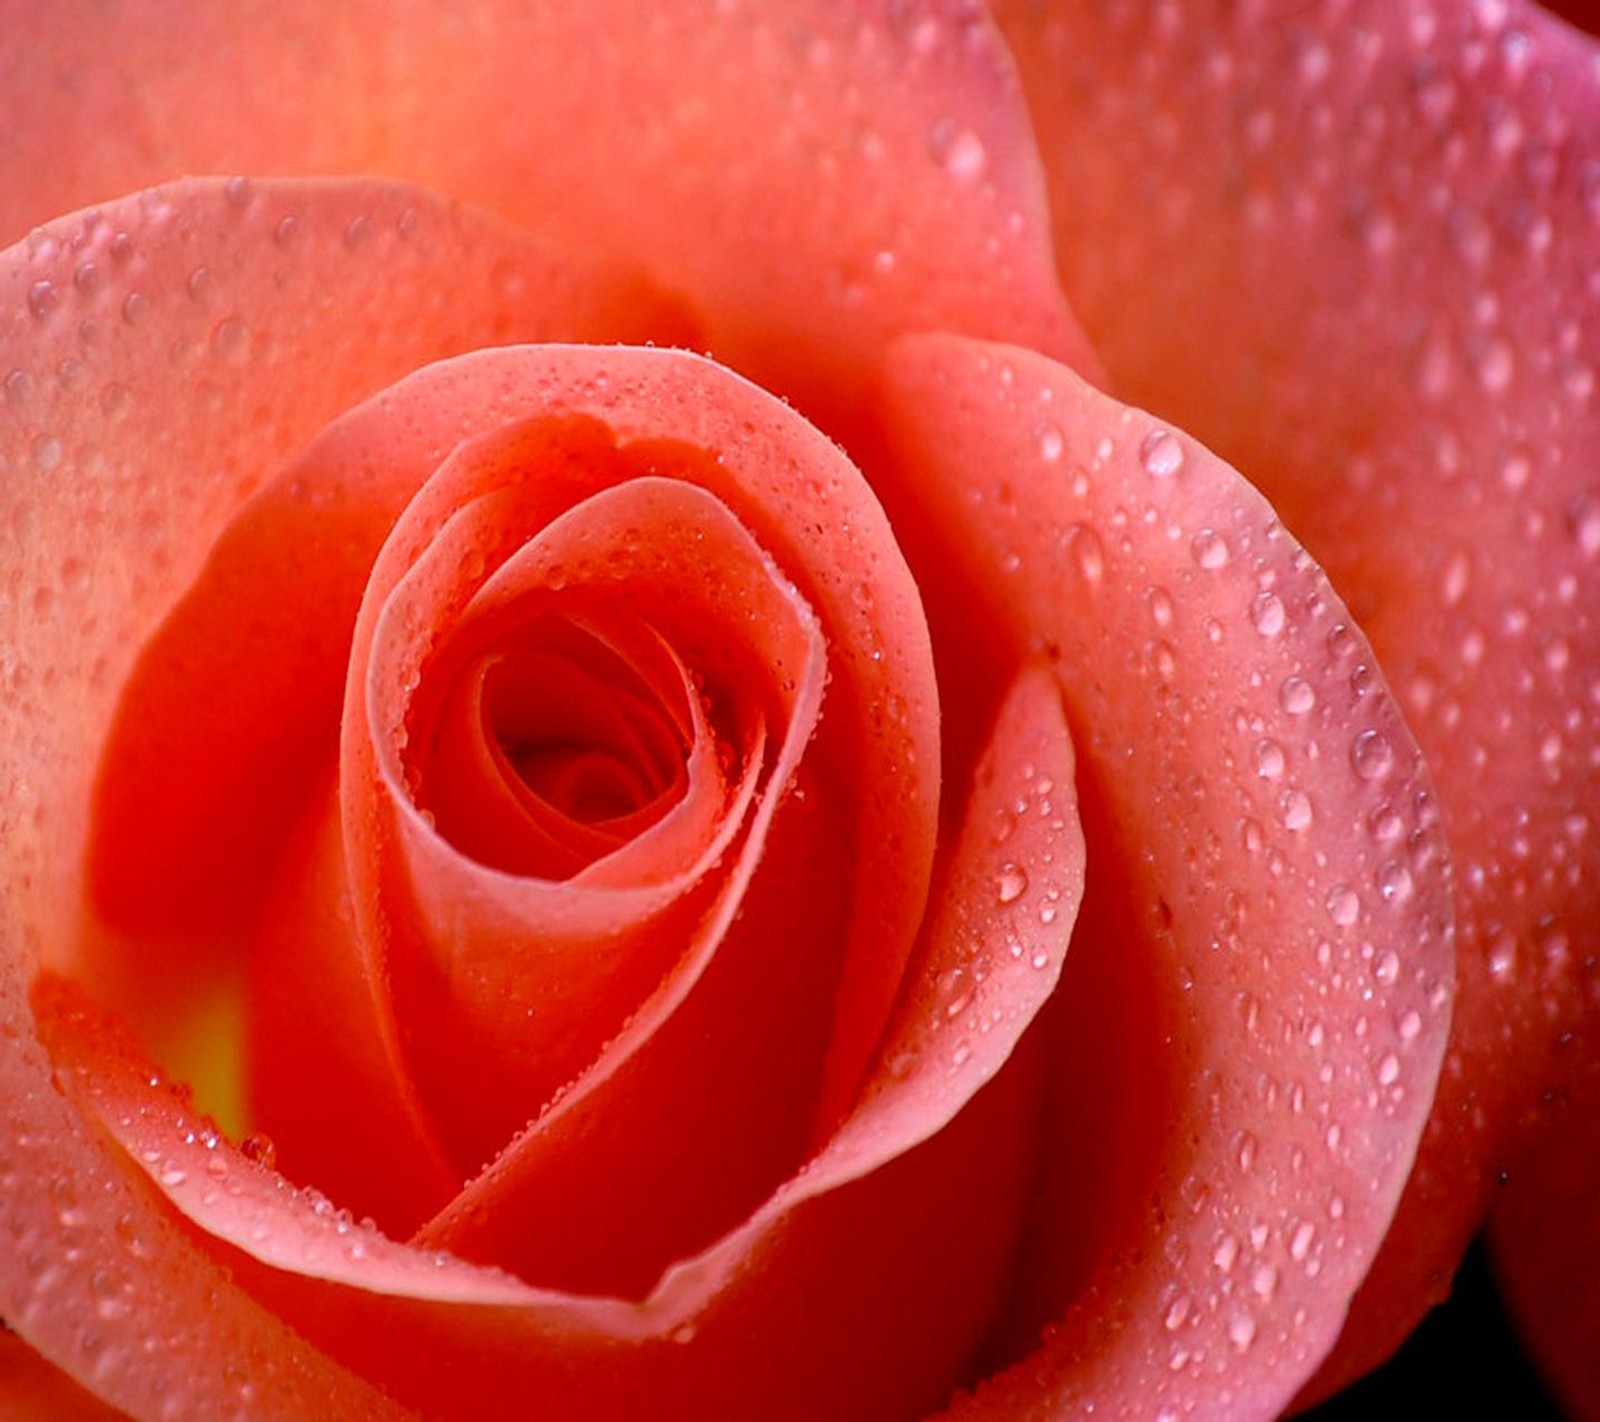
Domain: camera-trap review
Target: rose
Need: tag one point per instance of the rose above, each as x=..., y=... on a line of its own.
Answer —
x=968, y=155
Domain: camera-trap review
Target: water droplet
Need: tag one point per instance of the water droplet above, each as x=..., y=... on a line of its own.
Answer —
x=1086, y=550
x=1301, y=1240
x=1177, y=1313
x=1388, y=1071
x=231, y=339
x=958, y=150
x=1296, y=695
x=1244, y=1147
x=1265, y=1281
x=1371, y=755
x=1343, y=904
x=261, y=1149
x=1159, y=601
x=202, y=286
x=135, y=308
x=1011, y=884
x=1584, y=518
x=1242, y=1331
x=1294, y=808
x=1210, y=549
x=1226, y=1252
x=1394, y=882
x=1269, y=759
x=43, y=298
x=1409, y=1026
x=1267, y=614
x=1051, y=443
x=357, y=232
x=1161, y=454
x=1386, y=968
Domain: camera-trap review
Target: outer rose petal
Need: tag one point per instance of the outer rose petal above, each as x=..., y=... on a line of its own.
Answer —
x=894, y=186
x=1254, y=1014
x=1385, y=219
x=859, y=1289
x=111, y=503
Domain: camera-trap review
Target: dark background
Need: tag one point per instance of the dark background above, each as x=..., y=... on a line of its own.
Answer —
x=1463, y=1361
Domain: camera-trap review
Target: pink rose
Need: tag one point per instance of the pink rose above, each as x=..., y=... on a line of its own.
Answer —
x=535, y=880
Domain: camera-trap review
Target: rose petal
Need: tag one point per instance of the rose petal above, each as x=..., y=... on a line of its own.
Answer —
x=506, y=988
x=1256, y=1007
x=865, y=1282
x=33, y=1390
x=113, y=504
x=895, y=187
x=1385, y=227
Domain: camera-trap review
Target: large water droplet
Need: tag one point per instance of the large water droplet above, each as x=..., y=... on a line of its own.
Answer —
x=1371, y=755
x=43, y=298
x=1161, y=454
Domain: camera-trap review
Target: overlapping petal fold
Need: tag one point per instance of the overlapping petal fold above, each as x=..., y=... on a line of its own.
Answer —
x=1385, y=228
x=1255, y=1010
x=905, y=1221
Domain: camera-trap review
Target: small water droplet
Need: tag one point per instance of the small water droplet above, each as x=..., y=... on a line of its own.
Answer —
x=1388, y=1071
x=261, y=1149
x=1394, y=882
x=1300, y=1241
x=1265, y=1281
x=958, y=150
x=1269, y=759
x=1386, y=967
x=1244, y=1147
x=1011, y=883
x=1267, y=614
x=1409, y=1026
x=43, y=298
x=1051, y=443
x=1210, y=549
x=1242, y=1331
x=1343, y=904
x=1161, y=454
x=1296, y=695
x=1294, y=809
x=1087, y=551
x=231, y=339
x=1371, y=755
x=135, y=307
x=1584, y=518
x=1226, y=1252
x=1159, y=601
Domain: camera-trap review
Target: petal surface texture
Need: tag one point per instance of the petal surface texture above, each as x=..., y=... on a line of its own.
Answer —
x=1353, y=247
x=110, y=505
x=1256, y=1005
x=895, y=187
x=904, y=1222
